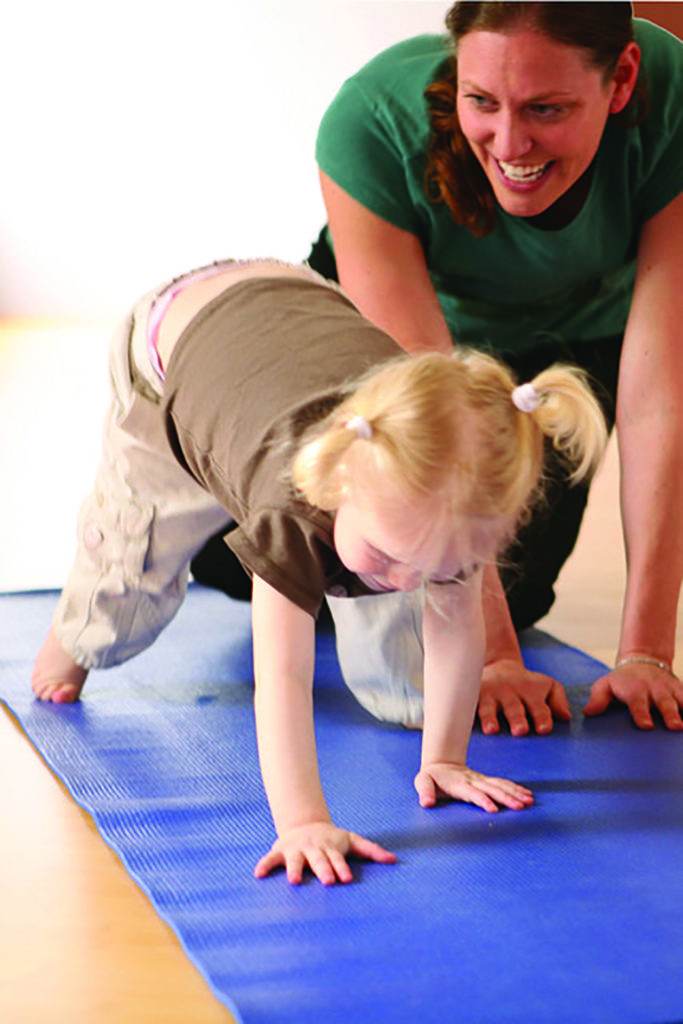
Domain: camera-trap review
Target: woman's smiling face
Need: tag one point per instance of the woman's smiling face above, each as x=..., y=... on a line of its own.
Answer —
x=533, y=111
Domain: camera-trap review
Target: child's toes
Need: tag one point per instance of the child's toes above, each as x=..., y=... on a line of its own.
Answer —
x=67, y=693
x=56, y=691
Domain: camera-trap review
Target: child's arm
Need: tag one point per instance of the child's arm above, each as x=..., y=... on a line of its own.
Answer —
x=454, y=644
x=284, y=647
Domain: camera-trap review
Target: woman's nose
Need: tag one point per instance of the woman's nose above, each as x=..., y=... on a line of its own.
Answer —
x=511, y=139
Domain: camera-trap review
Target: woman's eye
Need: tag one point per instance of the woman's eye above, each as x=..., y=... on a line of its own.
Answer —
x=480, y=102
x=547, y=111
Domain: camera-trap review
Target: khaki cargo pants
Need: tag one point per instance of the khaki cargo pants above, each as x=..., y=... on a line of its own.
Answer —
x=146, y=517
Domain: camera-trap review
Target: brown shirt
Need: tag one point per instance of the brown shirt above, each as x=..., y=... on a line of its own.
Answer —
x=255, y=368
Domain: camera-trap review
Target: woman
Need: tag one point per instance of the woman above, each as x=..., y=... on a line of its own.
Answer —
x=545, y=190
x=516, y=186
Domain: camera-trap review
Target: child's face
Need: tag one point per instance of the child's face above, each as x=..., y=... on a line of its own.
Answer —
x=399, y=545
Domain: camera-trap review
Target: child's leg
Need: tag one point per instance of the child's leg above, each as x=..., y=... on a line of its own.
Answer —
x=137, y=532
x=380, y=651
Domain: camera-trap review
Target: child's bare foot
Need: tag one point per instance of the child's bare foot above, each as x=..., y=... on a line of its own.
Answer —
x=56, y=676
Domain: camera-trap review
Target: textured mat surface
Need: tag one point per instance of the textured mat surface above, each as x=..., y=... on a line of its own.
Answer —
x=570, y=912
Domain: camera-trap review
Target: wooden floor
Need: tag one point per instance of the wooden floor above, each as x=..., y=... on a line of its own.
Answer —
x=78, y=941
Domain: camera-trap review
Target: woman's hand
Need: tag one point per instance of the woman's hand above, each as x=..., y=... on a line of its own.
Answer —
x=446, y=779
x=522, y=696
x=322, y=847
x=641, y=687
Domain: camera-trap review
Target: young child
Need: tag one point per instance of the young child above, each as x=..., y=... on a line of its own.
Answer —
x=257, y=392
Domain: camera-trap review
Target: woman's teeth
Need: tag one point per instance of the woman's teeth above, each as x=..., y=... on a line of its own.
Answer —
x=517, y=172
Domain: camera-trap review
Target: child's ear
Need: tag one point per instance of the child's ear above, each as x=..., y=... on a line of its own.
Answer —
x=625, y=77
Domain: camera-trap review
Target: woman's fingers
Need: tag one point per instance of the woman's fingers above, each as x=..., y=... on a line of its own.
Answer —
x=515, y=712
x=600, y=697
x=525, y=698
x=668, y=709
x=558, y=702
x=488, y=715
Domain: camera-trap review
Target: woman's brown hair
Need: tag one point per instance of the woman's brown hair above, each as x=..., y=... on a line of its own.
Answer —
x=453, y=174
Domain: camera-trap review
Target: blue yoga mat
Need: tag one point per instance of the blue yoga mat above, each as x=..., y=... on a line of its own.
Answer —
x=569, y=912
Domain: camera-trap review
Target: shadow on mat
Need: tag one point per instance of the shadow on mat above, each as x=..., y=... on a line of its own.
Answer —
x=525, y=828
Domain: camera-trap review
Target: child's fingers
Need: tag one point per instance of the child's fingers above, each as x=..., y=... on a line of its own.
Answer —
x=319, y=863
x=426, y=789
x=508, y=786
x=338, y=862
x=494, y=783
x=362, y=847
x=295, y=863
x=509, y=794
x=326, y=861
x=270, y=860
x=482, y=790
x=472, y=795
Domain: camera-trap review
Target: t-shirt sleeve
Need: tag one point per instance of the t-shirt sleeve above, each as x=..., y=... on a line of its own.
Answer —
x=287, y=551
x=359, y=147
x=661, y=171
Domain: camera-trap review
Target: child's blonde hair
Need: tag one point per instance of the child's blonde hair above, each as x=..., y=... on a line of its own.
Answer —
x=447, y=424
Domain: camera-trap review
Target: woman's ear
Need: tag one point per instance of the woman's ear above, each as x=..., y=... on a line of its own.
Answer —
x=625, y=77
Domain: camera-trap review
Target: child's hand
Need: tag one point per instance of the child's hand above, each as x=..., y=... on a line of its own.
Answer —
x=462, y=783
x=324, y=848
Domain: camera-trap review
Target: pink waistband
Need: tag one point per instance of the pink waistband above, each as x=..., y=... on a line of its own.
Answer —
x=164, y=300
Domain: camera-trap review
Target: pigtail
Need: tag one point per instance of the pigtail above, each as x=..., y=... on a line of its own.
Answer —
x=568, y=413
x=316, y=467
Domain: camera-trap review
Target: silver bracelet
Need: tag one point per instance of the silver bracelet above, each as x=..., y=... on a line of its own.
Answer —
x=644, y=659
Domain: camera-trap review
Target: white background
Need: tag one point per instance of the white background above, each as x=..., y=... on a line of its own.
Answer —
x=141, y=138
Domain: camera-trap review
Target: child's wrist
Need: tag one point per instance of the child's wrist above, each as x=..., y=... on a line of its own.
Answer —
x=456, y=757
x=289, y=822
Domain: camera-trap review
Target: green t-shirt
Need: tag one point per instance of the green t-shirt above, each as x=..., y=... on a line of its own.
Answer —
x=519, y=286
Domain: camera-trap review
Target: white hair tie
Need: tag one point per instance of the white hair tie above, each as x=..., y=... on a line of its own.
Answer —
x=526, y=398
x=360, y=426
